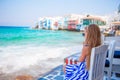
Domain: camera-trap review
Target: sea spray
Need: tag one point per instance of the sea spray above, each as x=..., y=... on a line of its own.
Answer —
x=17, y=58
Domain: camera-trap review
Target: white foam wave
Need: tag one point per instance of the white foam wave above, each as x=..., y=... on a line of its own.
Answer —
x=15, y=58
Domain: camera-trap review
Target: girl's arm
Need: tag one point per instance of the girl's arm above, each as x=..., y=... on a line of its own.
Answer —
x=85, y=53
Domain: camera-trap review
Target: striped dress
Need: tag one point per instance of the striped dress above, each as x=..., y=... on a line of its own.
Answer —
x=76, y=71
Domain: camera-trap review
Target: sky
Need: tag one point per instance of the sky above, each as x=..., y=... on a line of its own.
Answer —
x=27, y=12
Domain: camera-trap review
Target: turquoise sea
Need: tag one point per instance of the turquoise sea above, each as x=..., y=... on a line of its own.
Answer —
x=35, y=52
x=24, y=36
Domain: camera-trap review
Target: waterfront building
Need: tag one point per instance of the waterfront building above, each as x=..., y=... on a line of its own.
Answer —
x=73, y=21
x=70, y=22
x=87, y=20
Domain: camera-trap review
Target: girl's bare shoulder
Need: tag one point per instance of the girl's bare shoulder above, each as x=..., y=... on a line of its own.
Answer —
x=86, y=49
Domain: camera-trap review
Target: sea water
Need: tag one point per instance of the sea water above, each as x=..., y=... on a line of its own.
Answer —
x=36, y=51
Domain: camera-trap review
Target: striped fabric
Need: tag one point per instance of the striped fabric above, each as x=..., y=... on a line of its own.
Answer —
x=76, y=71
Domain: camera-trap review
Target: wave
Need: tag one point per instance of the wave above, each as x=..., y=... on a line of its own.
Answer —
x=16, y=58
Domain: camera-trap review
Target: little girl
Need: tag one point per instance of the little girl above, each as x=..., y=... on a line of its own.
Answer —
x=80, y=70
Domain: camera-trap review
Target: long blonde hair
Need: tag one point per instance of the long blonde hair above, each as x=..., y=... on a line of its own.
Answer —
x=93, y=37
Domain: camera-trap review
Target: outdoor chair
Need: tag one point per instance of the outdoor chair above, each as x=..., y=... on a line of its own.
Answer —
x=116, y=59
x=109, y=59
x=97, y=62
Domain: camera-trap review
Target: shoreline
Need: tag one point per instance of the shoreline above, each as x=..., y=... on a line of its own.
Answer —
x=42, y=67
